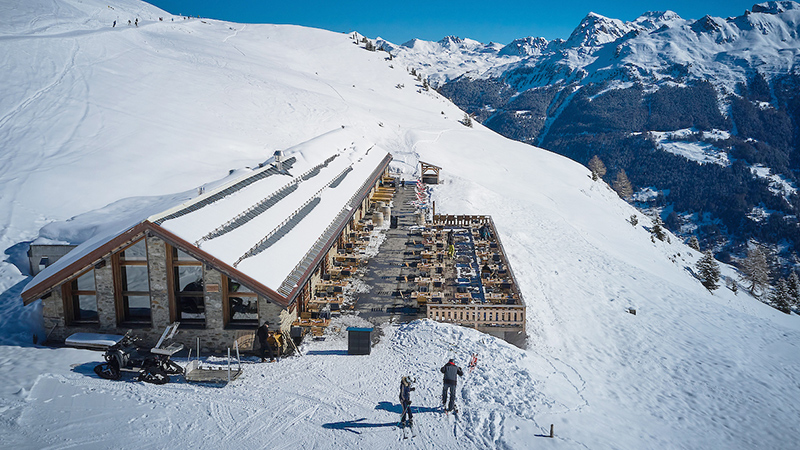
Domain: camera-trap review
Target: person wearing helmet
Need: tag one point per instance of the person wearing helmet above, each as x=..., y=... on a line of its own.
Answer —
x=451, y=373
x=405, y=401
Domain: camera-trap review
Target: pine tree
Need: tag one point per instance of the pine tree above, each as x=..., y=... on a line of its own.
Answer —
x=781, y=299
x=708, y=270
x=794, y=288
x=755, y=270
x=597, y=167
x=732, y=285
x=657, y=232
x=694, y=243
x=634, y=220
x=622, y=185
x=467, y=120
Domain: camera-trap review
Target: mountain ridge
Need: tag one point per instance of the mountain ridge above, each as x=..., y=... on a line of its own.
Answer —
x=659, y=74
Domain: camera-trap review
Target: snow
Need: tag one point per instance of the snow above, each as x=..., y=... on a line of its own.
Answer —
x=701, y=152
x=100, y=125
x=778, y=184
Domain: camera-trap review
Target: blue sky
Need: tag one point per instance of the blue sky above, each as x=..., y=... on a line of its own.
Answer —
x=486, y=21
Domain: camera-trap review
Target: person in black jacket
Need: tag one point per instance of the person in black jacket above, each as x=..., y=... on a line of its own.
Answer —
x=263, y=335
x=405, y=401
x=451, y=373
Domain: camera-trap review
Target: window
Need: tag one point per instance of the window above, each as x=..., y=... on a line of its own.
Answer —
x=186, y=285
x=80, y=299
x=240, y=304
x=132, y=284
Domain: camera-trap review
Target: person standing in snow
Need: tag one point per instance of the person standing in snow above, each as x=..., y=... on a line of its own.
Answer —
x=451, y=373
x=263, y=335
x=137, y=22
x=405, y=401
x=114, y=24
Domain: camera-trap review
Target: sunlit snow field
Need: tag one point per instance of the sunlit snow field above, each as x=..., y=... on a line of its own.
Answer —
x=97, y=123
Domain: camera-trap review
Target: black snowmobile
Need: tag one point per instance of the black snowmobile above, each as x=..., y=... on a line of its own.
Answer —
x=154, y=365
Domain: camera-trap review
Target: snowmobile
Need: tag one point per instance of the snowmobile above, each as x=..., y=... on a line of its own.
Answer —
x=153, y=366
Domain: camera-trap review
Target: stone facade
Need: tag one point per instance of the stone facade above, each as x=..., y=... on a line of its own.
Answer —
x=214, y=335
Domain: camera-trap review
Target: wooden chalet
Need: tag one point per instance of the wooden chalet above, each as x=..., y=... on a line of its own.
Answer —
x=249, y=251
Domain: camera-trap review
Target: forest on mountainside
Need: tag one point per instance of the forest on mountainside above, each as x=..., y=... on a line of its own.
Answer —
x=714, y=202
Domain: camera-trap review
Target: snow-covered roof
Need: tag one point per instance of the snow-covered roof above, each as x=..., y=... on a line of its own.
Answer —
x=259, y=227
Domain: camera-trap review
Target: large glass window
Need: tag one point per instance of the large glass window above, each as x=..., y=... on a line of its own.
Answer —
x=133, y=291
x=187, y=288
x=81, y=299
x=240, y=304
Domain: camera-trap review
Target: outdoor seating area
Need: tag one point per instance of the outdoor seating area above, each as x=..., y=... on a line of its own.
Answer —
x=464, y=274
x=328, y=298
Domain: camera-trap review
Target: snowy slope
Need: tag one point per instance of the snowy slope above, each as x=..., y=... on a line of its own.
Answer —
x=101, y=122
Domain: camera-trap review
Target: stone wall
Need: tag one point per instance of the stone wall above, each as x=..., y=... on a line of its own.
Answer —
x=214, y=337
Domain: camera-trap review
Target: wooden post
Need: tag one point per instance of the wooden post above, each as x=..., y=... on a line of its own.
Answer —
x=551, y=430
x=434, y=208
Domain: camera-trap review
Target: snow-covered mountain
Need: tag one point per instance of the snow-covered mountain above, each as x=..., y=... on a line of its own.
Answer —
x=613, y=87
x=97, y=121
x=646, y=49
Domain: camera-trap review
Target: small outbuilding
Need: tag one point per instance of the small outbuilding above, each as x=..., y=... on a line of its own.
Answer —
x=430, y=173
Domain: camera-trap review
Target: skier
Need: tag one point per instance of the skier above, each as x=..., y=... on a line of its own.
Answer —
x=263, y=335
x=137, y=22
x=405, y=402
x=450, y=371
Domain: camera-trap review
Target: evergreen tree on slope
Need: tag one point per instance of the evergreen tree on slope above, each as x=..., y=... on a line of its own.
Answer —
x=781, y=298
x=794, y=288
x=708, y=269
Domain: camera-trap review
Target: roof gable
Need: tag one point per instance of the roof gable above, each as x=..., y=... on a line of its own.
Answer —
x=267, y=230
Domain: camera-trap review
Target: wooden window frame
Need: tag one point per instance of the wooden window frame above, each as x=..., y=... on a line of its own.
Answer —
x=227, y=320
x=67, y=294
x=123, y=317
x=172, y=263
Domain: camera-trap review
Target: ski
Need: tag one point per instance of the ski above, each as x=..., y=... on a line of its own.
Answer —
x=412, y=431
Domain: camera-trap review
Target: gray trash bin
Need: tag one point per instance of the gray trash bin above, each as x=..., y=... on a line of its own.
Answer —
x=359, y=341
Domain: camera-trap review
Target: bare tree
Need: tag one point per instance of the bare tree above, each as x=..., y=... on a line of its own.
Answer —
x=622, y=185
x=755, y=270
x=597, y=167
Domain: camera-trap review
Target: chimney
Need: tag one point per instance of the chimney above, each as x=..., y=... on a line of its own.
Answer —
x=278, y=160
